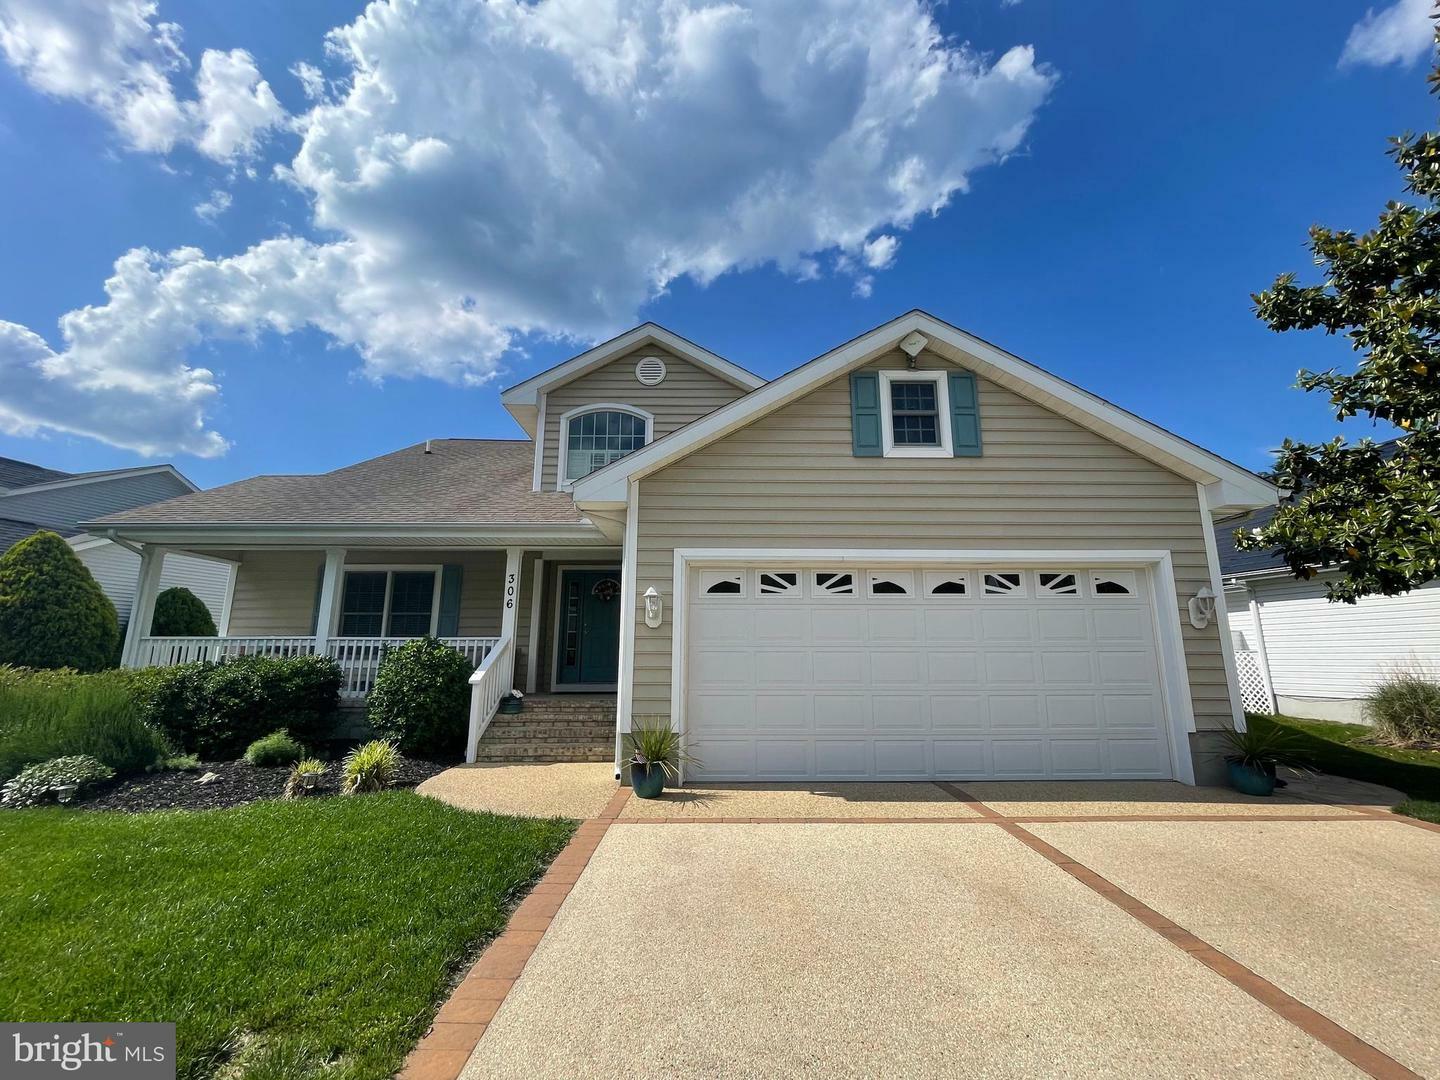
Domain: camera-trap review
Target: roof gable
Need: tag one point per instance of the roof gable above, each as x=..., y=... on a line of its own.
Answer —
x=1228, y=486
x=522, y=399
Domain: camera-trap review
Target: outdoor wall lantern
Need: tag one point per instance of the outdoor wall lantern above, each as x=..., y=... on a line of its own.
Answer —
x=1202, y=608
x=654, y=608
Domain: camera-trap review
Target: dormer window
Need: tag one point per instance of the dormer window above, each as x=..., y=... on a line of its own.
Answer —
x=595, y=435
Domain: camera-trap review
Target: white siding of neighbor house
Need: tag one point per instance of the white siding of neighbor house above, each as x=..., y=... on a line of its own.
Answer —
x=1318, y=649
x=1043, y=482
x=275, y=591
x=117, y=570
x=1242, y=626
x=64, y=507
x=688, y=393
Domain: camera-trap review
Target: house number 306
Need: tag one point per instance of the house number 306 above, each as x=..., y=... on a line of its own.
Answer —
x=510, y=591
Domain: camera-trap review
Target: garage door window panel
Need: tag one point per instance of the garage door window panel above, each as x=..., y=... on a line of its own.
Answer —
x=891, y=583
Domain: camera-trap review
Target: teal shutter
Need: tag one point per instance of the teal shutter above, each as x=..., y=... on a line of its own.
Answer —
x=315, y=611
x=865, y=414
x=964, y=414
x=449, y=625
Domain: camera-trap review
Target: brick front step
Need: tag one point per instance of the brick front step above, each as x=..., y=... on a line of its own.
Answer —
x=552, y=728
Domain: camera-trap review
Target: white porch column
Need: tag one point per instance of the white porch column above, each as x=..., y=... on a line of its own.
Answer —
x=510, y=606
x=328, y=614
x=532, y=654
x=142, y=608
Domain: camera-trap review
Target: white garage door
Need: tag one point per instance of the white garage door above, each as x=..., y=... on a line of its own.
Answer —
x=995, y=672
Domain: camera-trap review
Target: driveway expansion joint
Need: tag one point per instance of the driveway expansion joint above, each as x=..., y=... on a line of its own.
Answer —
x=1363, y=1055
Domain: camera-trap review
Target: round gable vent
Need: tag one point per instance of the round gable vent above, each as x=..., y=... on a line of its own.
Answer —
x=650, y=371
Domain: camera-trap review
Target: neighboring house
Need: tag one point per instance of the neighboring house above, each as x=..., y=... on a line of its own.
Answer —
x=33, y=498
x=1301, y=655
x=916, y=556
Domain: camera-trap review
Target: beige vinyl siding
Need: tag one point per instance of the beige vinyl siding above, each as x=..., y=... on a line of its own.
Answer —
x=275, y=591
x=1043, y=482
x=687, y=393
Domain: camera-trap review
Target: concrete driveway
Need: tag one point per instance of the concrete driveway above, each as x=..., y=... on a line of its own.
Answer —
x=911, y=942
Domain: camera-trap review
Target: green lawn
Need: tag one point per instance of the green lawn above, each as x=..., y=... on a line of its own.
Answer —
x=1338, y=749
x=285, y=939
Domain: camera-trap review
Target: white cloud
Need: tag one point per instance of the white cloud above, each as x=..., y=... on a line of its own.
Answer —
x=1399, y=34
x=115, y=57
x=881, y=252
x=215, y=204
x=312, y=79
x=498, y=169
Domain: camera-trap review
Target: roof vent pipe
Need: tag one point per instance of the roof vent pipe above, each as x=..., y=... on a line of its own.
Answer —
x=427, y=447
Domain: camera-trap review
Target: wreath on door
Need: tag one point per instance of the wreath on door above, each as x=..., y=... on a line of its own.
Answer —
x=606, y=589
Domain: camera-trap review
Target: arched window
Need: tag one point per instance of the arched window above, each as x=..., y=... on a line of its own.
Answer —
x=593, y=437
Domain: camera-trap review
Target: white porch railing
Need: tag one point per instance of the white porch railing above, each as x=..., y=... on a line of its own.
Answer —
x=359, y=658
x=169, y=651
x=493, y=679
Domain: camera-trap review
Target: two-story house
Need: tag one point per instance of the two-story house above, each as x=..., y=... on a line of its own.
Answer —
x=916, y=556
x=33, y=498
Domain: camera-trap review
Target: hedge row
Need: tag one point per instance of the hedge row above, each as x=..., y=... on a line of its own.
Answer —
x=131, y=720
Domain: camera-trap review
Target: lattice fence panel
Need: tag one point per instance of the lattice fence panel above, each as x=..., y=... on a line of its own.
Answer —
x=1254, y=690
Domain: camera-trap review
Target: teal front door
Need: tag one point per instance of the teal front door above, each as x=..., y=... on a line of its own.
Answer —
x=589, y=646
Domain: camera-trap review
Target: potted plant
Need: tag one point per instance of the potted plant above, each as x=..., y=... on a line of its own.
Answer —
x=656, y=754
x=511, y=702
x=1254, y=755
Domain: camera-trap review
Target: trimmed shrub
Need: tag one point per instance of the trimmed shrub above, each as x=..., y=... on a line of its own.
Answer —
x=42, y=782
x=274, y=749
x=371, y=767
x=52, y=612
x=421, y=698
x=55, y=714
x=217, y=710
x=180, y=613
x=1405, y=708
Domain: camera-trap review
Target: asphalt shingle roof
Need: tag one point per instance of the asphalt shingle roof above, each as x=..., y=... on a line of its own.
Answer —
x=1248, y=562
x=19, y=474
x=1244, y=562
x=461, y=482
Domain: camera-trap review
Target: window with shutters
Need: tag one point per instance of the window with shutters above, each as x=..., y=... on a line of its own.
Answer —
x=915, y=414
x=389, y=603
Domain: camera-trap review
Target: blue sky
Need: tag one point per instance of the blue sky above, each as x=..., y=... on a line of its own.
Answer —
x=1130, y=182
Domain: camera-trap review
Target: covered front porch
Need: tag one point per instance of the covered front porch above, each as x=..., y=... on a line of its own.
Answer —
x=539, y=619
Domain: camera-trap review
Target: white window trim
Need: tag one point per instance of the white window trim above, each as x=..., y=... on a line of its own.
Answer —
x=565, y=483
x=942, y=420
x=390, y=570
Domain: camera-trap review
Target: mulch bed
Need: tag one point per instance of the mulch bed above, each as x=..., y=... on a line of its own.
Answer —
x=237, y=783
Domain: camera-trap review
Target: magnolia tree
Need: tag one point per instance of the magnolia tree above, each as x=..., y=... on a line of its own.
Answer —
x=1371, y=513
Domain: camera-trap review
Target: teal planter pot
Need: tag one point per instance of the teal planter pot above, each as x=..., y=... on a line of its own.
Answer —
x=510, y=705
x=647, y=781
x=1250, y=781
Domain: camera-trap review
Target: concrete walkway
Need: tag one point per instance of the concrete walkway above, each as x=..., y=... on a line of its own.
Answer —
x=562, y=789
x=975, y=930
